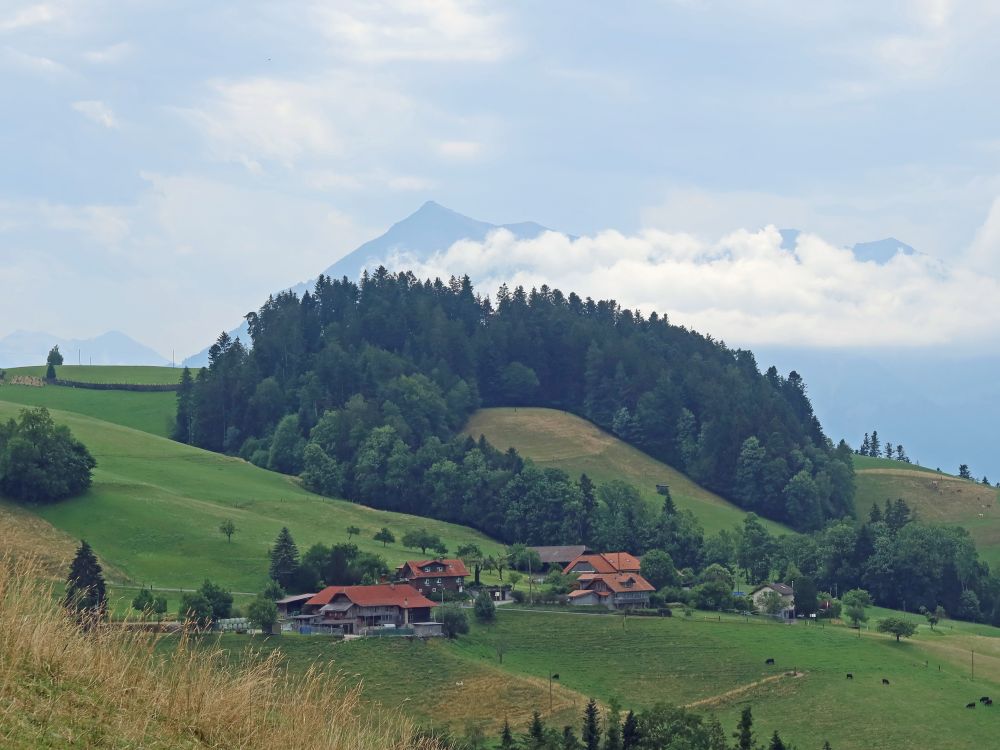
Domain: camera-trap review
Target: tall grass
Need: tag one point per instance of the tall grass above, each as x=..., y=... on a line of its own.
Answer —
x=61, y=686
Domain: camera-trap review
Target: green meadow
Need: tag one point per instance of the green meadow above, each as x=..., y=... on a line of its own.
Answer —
x=110, y=374
x=156, y=505
x=558, y=439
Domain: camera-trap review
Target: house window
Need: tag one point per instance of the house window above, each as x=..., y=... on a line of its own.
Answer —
x=434, y=589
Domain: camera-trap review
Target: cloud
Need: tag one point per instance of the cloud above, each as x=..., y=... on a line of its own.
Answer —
x=97, y=111
x=414, y=30
x=109, y=55
x=29, y=15
x=31, y=63
x=460, y=150
x=744, y=288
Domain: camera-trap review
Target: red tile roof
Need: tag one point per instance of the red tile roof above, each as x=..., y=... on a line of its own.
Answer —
x=453, y=569
x=384, y=595
x=608, y=562
x=617, y=582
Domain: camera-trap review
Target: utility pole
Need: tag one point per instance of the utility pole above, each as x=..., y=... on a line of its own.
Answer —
x=973, y=664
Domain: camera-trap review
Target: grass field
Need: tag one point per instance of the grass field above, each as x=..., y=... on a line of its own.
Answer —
x=935, y=496
x=151, y=412
x=113, y=374
x=561, y=440
x=155, y=508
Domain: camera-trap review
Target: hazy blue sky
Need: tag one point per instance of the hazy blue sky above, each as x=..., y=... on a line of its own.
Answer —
x=165, y=164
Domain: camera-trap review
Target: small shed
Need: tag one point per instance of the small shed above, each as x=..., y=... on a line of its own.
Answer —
x=290, y=606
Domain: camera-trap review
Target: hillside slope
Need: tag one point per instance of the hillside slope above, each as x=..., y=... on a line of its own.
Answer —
x=558, y=439
x=936, y=497
x=155, y=508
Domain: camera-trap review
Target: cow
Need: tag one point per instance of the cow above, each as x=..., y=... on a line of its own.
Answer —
x=970, y=705
x=850, y=676
x=885, y=681
x=769, y=661
x=984, y=699
x=989, y=702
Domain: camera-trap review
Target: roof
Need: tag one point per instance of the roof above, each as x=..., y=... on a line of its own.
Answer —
x=294, y=598
x=383, y=595
x=563, y=555
x=608, y=562
x=618, y=582
x=781, y=588
x=453, y=568
x=586, y=592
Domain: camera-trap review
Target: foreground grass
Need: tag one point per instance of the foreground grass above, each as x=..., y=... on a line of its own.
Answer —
x=558, y=439
x=113, y=374
x=156, y=505
x=61, y=687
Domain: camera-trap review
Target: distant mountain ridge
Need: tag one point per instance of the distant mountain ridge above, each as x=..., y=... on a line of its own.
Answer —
x=431, y=228
x=25, y=348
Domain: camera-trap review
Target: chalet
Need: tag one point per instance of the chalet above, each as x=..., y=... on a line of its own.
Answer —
x=436, y=576
x=612, y=590
x=292, y=605
x=786, y=593
x=347, y=610
x=604, y=563
x=561, y=556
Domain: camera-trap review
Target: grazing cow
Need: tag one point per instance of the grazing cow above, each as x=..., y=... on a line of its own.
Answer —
x=984, y=699
x=850, y=676
x=885, y=681
x=769, y=661
x=989, y=702
x=970, y=705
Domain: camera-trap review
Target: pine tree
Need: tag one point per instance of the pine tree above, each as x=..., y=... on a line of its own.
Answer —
x=901, y=454
x=591, y=734
x=866, y=446
x=284, y=559
x=875, y=515
x=776, y=743
x=569, y=740
x=588, y=515
x=744, y=731
x=613, y=728
x=876, y=445
x=536, y=732
x=630, y=732
x=889, y=452
x=185, y=409
x=507, y=738
x=85, y=588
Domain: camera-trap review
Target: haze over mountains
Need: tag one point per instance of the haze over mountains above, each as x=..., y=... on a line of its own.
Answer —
x=23, y=348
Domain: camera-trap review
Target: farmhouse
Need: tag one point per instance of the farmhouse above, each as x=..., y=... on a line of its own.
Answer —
x=433, y=576
x=561, y=556
x=292, y=605
x=603, y=562
x=613, y=590
x=786, y=593
x=359, y=610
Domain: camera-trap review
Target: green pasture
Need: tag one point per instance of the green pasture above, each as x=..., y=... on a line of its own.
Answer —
x=156, y=505
x=558, y=439
x=111, y=374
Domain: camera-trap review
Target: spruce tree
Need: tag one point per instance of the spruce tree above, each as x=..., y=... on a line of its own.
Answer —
x=744, y=731
x=284, y=559
x=866, y=446
x=613, y=728
x=85, y=588
x=875, y=515
x=630, y=732
x=776, y=743
x=507, y=738
x=876, y=445
x=185, y=408
x=536, y=732
x=888, y=449
x=591, y=733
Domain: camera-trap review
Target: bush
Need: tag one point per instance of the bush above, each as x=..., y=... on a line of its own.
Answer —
x=42, y=462
x=519, y=597
x=453, y=621
x=195, y=608
x=485, y=609
x=263, y=612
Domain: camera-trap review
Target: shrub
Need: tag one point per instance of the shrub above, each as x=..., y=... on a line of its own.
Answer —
x=485, y=609
x=453, y=621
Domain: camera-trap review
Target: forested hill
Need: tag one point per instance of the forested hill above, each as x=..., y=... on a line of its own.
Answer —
x=363, y=387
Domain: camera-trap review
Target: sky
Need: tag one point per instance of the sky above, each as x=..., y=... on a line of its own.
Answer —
x=166, y=165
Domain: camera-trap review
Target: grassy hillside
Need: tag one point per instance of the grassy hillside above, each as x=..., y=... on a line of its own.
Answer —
x=115, y=374
x=561, y=440
x=936, y=497
x=151, y=412
x=62, y=687
x=156, y=505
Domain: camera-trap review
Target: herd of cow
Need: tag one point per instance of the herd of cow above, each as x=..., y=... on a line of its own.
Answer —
x=985, y=700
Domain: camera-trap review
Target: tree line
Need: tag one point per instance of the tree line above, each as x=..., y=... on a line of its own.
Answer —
x=362, y=389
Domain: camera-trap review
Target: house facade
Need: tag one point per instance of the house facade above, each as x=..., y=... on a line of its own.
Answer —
x=356, y=610
x=432, y=577
x=612, y=590
x=786, y=593
x=604, y=563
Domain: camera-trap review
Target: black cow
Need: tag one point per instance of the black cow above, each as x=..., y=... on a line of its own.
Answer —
x=885, y=681
x=970, y=705
x=850, y=676
x=989, y=702
x=984, y=699
x=769, y=661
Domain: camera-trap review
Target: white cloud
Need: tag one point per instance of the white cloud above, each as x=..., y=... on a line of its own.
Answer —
x=109, y=55
x=460, y=150
x=414, y=30
x=745, y=288
x=31, y=63
x=28, y=15
x=97, y=111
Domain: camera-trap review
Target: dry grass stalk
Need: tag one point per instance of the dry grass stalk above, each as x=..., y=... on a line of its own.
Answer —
x=109, y=687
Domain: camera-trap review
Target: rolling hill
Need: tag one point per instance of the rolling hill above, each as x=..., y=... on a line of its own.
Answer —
x=935, y=496
x=558, y=439
x=156, y=505
x=109, y=374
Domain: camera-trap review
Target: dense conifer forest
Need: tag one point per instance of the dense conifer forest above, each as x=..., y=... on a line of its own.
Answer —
x=361, y=388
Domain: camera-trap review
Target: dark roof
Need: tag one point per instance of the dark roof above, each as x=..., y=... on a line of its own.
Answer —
x=561, y=555
x=781, y=588
x=294, y=598
x=453, y=568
